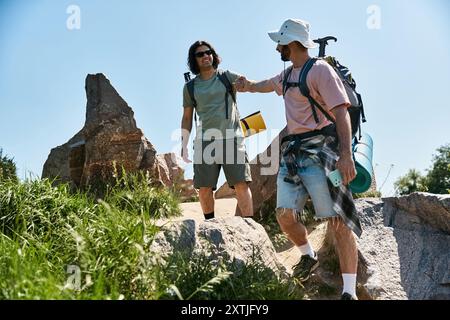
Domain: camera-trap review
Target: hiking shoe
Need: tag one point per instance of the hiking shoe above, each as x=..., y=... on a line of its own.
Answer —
x=303, y=269
x=347, y=296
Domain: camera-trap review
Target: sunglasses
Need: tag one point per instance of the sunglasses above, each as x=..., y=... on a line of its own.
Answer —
x=202, y=53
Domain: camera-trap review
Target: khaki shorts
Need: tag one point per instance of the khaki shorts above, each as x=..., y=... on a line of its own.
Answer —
x=210, y=156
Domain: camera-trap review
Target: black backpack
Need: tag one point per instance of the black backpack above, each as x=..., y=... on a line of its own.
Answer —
x=356, y=110
x=190, y=83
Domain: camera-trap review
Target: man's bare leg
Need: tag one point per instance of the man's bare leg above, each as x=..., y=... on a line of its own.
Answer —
x=348, y=254
x=289, y=224
x=207, y=202
x=244, y=198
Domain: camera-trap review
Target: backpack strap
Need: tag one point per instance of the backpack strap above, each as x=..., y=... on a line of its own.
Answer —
x=286, y=84
x=305, y=91
x=226, y=82
x=190, y=84
x=229, y=89
x=190, y=87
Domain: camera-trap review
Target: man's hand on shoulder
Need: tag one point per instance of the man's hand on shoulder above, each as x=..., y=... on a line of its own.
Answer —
x=242, y=84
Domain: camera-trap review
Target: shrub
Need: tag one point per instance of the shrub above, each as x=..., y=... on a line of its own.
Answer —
x=7, y=168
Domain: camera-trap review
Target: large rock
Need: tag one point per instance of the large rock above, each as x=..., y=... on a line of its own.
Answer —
x=109, y=138
x=432, y=208
x=170, y=169
x=401, y=256
x=403, y=253
x=171, y=174
x=222, y=239
x=111, y=133
x=58, y=166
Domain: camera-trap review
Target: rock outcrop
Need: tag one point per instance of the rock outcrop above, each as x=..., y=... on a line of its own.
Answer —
x=109, y=137
x=433, y=209
x=404, y=252
x=111, y=134
x=401, y=255
x=58, y=163
x=222, y=239
x=171, y=174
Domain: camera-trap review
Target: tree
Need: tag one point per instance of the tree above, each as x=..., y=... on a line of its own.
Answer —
x=438, y=177
x=7, y=168
x=413, y=181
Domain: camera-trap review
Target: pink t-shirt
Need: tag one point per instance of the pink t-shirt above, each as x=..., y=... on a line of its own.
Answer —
x=325, y=87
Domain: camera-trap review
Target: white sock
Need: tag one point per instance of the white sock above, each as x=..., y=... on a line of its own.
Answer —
x=349, y=280
x=307, y=249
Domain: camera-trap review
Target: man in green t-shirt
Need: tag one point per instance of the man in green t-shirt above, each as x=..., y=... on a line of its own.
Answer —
x=219, y=141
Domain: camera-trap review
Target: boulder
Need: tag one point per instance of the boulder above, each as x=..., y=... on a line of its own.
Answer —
x=109, y=138
x=58, y=162
x=171, y=174
x=401, y=256
x=434, y=209
x=222, y=239
x=403, y=253
x=170, y=170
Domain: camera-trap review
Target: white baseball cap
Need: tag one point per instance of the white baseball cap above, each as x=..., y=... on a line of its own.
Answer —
x=293, y=30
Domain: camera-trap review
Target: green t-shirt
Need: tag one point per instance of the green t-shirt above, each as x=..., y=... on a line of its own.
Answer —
x=210, y=97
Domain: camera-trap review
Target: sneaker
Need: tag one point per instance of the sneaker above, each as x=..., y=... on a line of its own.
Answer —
x=347, y=296
x=303, y=269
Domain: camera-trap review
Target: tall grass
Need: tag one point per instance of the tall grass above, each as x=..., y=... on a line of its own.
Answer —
x=46, y=230
x=194, y=277
x=57, y=244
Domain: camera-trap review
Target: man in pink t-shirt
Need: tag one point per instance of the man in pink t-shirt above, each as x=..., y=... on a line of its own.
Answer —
x=293, y=42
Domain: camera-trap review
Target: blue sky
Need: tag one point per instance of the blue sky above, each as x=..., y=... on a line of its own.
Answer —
x=402, y=69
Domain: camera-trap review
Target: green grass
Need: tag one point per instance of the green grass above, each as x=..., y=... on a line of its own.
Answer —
x=46, y=229
x=194, y=277
x=58, y=244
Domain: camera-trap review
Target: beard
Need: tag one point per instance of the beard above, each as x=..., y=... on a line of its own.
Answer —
x=285, y=53
x=284, y=58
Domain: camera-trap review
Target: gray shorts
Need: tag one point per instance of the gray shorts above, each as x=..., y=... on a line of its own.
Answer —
x=211, y=156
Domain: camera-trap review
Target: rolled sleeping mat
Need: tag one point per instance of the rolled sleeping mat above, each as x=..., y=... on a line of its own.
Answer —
x=363, y=153
x=253, y=124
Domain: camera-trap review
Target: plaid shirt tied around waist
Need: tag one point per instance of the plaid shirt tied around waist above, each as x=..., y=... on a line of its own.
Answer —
x=322, y=149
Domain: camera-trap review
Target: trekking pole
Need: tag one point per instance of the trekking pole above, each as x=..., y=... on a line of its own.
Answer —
x=187, y=76
x=323, y=42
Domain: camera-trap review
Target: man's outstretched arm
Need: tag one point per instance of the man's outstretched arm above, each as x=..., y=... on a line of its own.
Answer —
x=244, y=85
